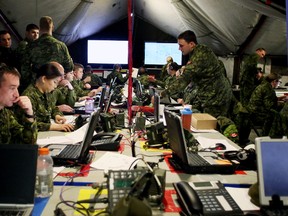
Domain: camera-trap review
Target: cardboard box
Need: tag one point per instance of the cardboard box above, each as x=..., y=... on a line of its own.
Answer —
x=203, y=121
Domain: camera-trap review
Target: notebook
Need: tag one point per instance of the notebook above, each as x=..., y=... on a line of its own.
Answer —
x=192, y=162
x=272, y=163
x=73, y=154
x=18, y=165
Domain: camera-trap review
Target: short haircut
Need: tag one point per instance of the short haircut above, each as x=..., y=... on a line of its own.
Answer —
x=7, y=70
x=46, y=22
x=188, y=36
x=31, y=26
x=49, y=70
x=272, y=76
x=260, y=49
x=3, y=32
x=77, y=66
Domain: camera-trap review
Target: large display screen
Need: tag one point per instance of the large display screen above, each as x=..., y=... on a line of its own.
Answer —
x=107, y=52
x=156, y=53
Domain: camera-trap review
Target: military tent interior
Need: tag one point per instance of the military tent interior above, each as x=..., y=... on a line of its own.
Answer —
x=232, y=28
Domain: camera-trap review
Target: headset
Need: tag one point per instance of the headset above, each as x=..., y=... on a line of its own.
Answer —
x=242, y=155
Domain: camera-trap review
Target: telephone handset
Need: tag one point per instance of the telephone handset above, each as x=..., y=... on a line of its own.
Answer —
x=188, y=199
x=214, y=195
x=107, y=141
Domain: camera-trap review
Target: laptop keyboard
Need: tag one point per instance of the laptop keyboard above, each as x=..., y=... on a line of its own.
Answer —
x=70, y=151
x=274, y=212
x=11, y=213
x=196, y=160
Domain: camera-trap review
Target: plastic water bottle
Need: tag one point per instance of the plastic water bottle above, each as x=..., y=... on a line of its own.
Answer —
x=186, y=115
x=44, y=176
x=89, y=105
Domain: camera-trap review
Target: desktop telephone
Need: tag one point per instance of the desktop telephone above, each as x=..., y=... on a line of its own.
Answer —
x=107, y=141
x=205, y=198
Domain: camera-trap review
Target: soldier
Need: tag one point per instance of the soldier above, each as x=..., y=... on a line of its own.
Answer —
x=79, y=86
x=13, y=131
x=203, y=70
x=47, y=78
x=248, y=81
x=264, y=103
x=7, y=56
x=164, y=72
x=116, y=73
x=92, y=79
x=44, y=50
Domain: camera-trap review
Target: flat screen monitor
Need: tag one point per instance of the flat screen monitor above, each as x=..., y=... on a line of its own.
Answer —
x=156, y=106
x=156, y=53
x=107, y=52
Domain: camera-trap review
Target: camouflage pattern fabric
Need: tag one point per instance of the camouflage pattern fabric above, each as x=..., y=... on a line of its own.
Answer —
x=44, y=50
x=11, y=132
x=62, y=95
x=213, y=90
x=164, y=74
x=95, y=80
x=228, y=128
x=7, y=56
x=261, y=105
x=248, y=80
x=120, y=79
x=43, y=108
x=79, y=90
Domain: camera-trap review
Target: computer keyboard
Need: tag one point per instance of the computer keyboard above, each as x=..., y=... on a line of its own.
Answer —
x=274, y=212
x=70, y=151
x=195, y=159
x=11, y=213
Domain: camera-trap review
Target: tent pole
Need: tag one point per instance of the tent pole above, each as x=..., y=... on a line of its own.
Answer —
x=130, y=59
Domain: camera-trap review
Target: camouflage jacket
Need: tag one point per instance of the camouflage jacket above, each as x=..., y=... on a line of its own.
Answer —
x=95, y=80
x=164, y=74
x=62, y=95
x=263, y=100
x=78, y=86
x=248, y=78
x=11, y=132
x=43, y=108
x=43, y=50
x=214, y=92
x=120, y=79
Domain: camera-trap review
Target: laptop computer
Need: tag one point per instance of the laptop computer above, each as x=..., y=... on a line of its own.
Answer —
x=18, y=165
x=188, y=161
x=69, y=154
x=272, y=166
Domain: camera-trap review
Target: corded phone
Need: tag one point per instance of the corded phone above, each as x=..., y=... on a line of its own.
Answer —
x=106, y=141
x=205, y=198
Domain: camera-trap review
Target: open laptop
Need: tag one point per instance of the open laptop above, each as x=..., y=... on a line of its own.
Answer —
x=73, y=154
x=272, y=163
x=18, y=165
x=188, y=161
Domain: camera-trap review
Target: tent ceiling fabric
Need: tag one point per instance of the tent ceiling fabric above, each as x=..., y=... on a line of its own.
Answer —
x=223, y=25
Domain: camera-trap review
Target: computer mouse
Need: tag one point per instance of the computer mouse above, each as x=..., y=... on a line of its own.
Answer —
x=219, y=146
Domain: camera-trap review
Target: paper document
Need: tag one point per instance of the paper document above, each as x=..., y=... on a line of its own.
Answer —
x=79, y=104
x=67, y=138
x=208, y=143
x=241, y=197
x=114, y=161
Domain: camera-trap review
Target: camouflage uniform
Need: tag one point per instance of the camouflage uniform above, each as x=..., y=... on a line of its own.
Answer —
x=7, y=56
x=248, y=79
x=62, y=95
x=78, y=86
x=12, y=132
x=43, y=108
x=164, y=73
x=120, y=79
x=95, y=80
x=214, y=92
x=261, y=105
x=44, y=50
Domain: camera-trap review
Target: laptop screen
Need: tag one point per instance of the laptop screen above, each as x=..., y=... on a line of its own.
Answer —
x=18, y=173
x=176, y=135
x=272, y=162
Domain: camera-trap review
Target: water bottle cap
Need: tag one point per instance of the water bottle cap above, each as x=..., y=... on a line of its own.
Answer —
x=43, y=151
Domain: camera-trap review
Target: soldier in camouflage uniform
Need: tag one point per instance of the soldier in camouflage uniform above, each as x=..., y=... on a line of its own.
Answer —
x=264, y=102
x=164, y=72
x=47, y=78
x=13, y=131
x=214, y=92
x=116, y=73
x=7, y=55
x=44, y=50
x=92, y=79
x=31, y=34
x=82, y=89
x=248, y=81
